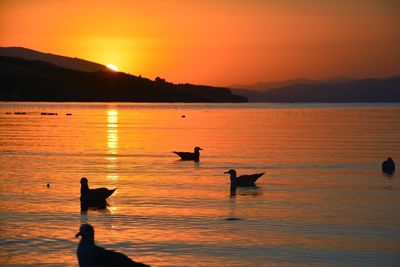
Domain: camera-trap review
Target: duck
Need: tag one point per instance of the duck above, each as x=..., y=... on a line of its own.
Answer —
x=243, y=180
x=388, y=166
x=190, y=155
x=94, y=195
x=91, y=255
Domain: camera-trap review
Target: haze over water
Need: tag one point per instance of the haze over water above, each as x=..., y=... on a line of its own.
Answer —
x=323, y=199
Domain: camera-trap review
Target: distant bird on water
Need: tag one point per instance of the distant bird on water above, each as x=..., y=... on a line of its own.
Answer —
x=243, y=180
x=90, y=255
x=94, y=195
x=190, y=155
x=388, y=166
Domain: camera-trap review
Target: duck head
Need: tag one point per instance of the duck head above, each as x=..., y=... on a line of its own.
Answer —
x=86, y=231
x=231, y=172
x=84, y=185
x=197, y=149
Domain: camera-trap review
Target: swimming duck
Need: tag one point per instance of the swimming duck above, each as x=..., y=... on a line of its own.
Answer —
x=94, y=195
x=388, y=166
x=90, y=255
x=243, y=180
x=190, y=155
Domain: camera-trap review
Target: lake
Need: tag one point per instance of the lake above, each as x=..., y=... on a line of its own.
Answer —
x=322, y=201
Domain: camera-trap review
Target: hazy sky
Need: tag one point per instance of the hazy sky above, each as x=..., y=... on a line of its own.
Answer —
x=218, y=42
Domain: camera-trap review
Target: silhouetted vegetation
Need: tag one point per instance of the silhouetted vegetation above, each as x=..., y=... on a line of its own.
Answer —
x=35, y=80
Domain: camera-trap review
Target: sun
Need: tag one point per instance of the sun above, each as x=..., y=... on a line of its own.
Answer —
x=112, y=67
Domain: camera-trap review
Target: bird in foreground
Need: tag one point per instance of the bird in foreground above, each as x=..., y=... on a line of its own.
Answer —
x=388, y=166
x=243, y=180
x=190, y=155
x=90, y=255
x=94, y=195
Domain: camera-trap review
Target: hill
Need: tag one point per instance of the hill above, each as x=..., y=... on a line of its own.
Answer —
x=265, y=86
x=62, y=61
x=36, y=80
x=363, y=90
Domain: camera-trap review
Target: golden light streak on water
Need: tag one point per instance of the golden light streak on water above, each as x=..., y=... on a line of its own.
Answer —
x=112, y=143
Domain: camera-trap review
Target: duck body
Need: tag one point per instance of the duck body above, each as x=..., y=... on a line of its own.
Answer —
x=90, y=255
x=94, y=195
x=388, y=166
x=195, y=156
x=244, y=180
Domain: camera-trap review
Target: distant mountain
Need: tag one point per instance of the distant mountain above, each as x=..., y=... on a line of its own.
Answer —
x=36, y=80
x=265, y=86
x=363, y=90
x=62, y=61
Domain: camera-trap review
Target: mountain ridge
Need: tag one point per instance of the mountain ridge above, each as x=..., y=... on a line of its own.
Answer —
x=362, y=90
x=36, y=80
x=265, y=86
x=24, y=73
x=62, y=61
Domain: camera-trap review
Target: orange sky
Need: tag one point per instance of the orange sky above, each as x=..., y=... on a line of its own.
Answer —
x=219, y=42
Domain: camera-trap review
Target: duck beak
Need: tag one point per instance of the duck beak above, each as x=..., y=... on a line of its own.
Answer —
x=226, y=172
x=201, y=149
x=78, y=234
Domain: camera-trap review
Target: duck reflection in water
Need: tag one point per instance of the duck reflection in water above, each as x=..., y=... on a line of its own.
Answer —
x=93, y=198
x=94, y=205
x=245, y=191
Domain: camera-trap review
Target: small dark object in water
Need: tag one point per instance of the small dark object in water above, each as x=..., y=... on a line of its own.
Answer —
x=20, y=113
x=190, y=155
x=48, y=185
x=8, y=113
x=48, y=113
x=91, y=255
x=68, y=114
x=388, y=166
x=243, y=180
x=232, y=219
x=183, y=116
x=94, y=195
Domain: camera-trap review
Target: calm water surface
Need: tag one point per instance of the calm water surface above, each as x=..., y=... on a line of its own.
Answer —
x=323, y=199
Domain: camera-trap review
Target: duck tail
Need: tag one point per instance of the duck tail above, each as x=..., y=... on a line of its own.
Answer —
x=261, y=174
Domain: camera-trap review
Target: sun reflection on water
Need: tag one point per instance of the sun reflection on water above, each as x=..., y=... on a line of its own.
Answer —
x=112, y=143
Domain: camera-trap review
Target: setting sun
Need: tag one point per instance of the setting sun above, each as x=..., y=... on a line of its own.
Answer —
x=112, y=67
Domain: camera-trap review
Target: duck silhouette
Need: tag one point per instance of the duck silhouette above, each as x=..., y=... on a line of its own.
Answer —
x=388, y=166
x=243, y=180
x=94, y=195
x=190, y=155
x=90, y=255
